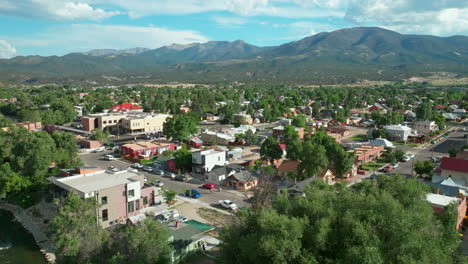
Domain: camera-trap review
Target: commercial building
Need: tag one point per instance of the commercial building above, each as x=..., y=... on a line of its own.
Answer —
x=217, y=138
x=204, y=161
x=365, y=154
x=397, y=132
x=121, y=195
x=425, y=127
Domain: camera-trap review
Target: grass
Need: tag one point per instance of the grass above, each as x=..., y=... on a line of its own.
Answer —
x=409, y=144
x=359, y=137
x=371, y=166
x=147, y=162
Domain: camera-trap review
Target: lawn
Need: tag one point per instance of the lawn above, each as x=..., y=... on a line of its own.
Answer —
x=359, y=138
x=371, y=166
x=409, y=144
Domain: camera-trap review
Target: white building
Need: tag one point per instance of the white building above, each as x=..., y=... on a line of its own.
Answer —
x=204, y=161
x=397, y=132
x=217, y=138
x=425, y=127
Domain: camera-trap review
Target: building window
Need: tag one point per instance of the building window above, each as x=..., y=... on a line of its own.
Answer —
x=115, y=121
x=131, y=193
x=105, y=216
x=104, y=122
x=104, y=200
x=145, y=200
x=137, y=203
x=131, y=206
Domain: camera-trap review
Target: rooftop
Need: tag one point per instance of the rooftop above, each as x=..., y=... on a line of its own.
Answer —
x=454, y=164
x=439, y=200
x=125, y=107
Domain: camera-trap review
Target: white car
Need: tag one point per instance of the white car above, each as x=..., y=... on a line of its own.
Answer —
x=112, y=168
x=147, y=168
x=108, y=157
x=182, y=219
x=228, y=204
x=137, y=166
x=158, y=183
x=411, y=156
x=406, y=159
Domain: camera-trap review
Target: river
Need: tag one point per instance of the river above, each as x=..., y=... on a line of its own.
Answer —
x=17, y=245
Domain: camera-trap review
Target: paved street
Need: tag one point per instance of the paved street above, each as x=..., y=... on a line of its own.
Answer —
x=211, y=198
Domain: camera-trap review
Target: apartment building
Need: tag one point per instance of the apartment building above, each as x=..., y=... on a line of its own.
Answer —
x=204, y=161
x=425, y=127
x=125, y=122
x=121, y=195
x=397, y=132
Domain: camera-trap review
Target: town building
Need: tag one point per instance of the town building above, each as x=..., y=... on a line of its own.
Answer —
x=145, y=150
x=439, y=202
x=120, y=195
x=195, y=142
x=343, y=131
x=278, y=132
x=125, y=107
x=243, y=119
x=425, y=127
x=381, y=142
x=243, y=180
x=29, y=125
x=204, y=161
x=455, y=168
x=217, y=138
x=397, y=132
x=124, y=122
x=366, y=153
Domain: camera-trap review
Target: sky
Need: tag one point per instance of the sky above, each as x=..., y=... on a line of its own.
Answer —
x=58, y=27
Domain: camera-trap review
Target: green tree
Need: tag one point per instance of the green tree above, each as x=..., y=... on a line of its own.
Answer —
x=76, y=234
x=146, y=243
x=11, y=183
x=439, y=120
x=294, y=149
x=170, y=196
x=398, y=154
x=314, y=160
x=180, y=126
x=378, y=133
x=99, y=135
x=67, y=152
x=289, y=134
x=299, y=120
x=424, y=167
x=183, y=158
x=424, y=111
x=343, y=162
x=250, y=138
x=271, y=150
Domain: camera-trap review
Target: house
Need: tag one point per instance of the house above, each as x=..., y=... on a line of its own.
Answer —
x=336, y=136
x=190, y=237
x=278, y=132
x=451, y=117
x=366, y=153
x=298, y=189
x=242, y=129
x=121, y=195
x=184, y=109
x=234, y=154
x=243, y=180
x=204, y=161
x=448, y=186
x=381, y=142
x=195, y=142
x=125, y=107
x=288, y=167
x=217, y=138
x=210, y=117
x=285, y=122
x=145, y=150
x=31, y=126
x=410, y=116
x=377, y=107
x=455, y=168
x=343, y=131
x=243, y=119
x=425, y=127
x=397, y=132
x=439, y=202
x=88, y=143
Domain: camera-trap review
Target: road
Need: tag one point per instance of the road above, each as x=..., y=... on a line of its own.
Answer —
x=210, y=198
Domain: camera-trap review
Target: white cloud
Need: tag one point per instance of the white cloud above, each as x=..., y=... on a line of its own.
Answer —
x=83, y=37
x=6, y=50
x=412, y=16
x=53, y=10
x=230, y=22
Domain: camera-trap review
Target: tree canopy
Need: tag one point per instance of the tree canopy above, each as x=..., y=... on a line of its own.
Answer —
x=180, y=126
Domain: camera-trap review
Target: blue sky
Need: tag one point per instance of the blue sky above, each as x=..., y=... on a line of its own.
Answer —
x=58, y=27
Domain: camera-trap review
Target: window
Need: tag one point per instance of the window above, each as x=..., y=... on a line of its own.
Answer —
x=105, y=216
x=145, y=200
x=131, y=206
x=104, y=200
x=137, y=202
x=131, y=193
x=115, y=121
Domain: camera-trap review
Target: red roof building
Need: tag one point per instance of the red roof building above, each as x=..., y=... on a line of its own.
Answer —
x=453, y=165
x=439, y=106
x=125, y=107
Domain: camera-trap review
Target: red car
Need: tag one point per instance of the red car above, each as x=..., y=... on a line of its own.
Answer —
x=209, y=186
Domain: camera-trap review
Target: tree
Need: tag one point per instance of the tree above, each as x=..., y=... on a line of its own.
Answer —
x=289, y=134
x=271, y=150
x=146, y=243
x=250, y=138
x=76, y=234
x=314, y=160
x=11, y=183
x=439, y=120
x=299, y=120
x=170, y=196
x=294, y=150
x=183, y=158
x=343, y=162
x=67, y=152
x=382, y=221
x=378, y=133
x=424, y=111
x=398, y=154
x=424, y=167
x=180, y=126
x=99, y=135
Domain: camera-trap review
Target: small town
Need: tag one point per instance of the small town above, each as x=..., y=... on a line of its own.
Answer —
x=111, y=162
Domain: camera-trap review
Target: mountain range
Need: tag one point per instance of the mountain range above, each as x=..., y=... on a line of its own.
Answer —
x=345, y=55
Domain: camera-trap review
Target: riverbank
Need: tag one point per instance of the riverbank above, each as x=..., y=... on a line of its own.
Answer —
x=43, y=242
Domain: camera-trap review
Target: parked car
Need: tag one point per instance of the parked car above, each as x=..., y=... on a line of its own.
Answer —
x=108, y=157
x=145, y=179
x=112, y=168
x=192, y=194
x=209, y=186
x=158, y=183
x=159, y=172
x=180, y=178
x=182, y=219
x=132, y=169
x=410, y=155
x=406, y=159
x=137, y=165
x=228, y=204
x=147, y=168
x=395, y=165
x=100, y=149
x=169, y=175
x=388, y=168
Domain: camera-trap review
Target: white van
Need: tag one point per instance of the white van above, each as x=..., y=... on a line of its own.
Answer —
x=108, y=157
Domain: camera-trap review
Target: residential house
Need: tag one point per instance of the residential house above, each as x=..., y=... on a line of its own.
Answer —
x=278, y=132
x=397, y=132
x=190, y=237
x=366, y=153
x=242, y=129
x=243, y=119
x=439, y=202
x=409, y=116
x=145, y=150
x=234, y=154
x=285, y=122
x=204, y=161
x=195, y=142
x=243, y=180
x=449, y=186
x=455, y=168
x=425, y=127
x=451, y=116
x=31, y=126
x=377, y=107
x=88, y=143
x=217, y=138
x=343, y=131
x=210, y=117
x=288, y=167
x=121, y=195
x=184, y=109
